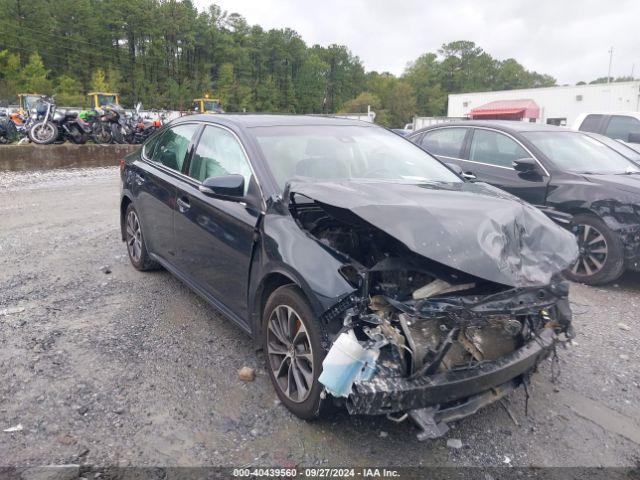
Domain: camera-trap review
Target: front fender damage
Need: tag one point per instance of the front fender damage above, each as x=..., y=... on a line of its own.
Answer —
x=421, y=338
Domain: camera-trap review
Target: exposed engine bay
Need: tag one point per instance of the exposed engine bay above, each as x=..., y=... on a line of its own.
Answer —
x=419, y=338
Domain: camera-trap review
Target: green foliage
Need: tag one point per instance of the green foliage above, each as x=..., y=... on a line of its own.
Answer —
x=462, y=66
x=33, y=77
x=9, y=76
x=165, y=53
x=68, y=91
x=361, y=103
x=99, y=81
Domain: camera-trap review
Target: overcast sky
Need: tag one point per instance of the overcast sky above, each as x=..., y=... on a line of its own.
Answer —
x=569, y=39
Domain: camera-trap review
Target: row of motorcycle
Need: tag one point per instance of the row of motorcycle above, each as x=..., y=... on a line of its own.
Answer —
x=47, y=124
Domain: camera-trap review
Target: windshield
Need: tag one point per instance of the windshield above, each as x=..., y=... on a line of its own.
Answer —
x=107, y=99
x=577, y=152
x=346, y=152
x=212, y=106
x=622, y=148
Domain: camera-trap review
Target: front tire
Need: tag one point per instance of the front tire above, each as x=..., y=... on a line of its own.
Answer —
x=601, y=253
x=136, y=246
x=43, y=133
x=291, y=341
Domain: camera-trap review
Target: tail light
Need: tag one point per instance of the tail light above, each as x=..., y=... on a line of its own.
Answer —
x=122, y=165
x=157, y=123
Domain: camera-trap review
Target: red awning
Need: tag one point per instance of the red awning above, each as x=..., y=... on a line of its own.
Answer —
x=507, y=109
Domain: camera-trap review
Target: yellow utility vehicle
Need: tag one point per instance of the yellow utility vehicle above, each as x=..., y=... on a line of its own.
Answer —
x=100, y=99
x=207, y=105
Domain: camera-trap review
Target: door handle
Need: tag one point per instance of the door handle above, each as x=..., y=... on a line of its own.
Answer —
x=468, y=176
x=139, y=179
x=183, y=204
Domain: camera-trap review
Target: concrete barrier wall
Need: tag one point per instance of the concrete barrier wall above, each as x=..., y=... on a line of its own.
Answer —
x=47, y=157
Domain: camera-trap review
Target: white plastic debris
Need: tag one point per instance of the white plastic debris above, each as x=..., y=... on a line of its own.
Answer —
x=506, y=460
x=17, y=428
x=346, y=362
x=624, y=326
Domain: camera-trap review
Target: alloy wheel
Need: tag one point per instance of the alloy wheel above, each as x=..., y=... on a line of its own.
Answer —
x=592, y=251
x=290, y=353
x=134, y=236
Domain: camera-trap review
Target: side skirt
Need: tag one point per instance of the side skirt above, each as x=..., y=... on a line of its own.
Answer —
x=221, y=307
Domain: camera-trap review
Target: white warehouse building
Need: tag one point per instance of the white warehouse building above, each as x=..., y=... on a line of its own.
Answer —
x=552, y=105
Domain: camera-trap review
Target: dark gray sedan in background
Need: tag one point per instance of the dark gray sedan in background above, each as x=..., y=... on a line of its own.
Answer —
x=591, y=179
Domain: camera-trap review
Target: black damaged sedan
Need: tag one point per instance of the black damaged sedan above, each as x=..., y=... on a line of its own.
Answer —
x=340, y=246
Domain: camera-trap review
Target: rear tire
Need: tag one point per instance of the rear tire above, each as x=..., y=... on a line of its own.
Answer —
x=136, y=246
x=291, y=341
x=8, y=131
x=601, y=253
x=78, y=137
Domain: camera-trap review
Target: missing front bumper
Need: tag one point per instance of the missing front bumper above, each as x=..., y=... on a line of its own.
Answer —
x=391, y=395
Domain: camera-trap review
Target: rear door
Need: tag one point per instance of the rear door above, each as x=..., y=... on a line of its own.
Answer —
x=215, y=236
x=490, y=155
x=446, y=143
x=155, y=181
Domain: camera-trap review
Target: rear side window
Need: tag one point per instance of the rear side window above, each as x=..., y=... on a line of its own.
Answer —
x=444, y=141
x=218, y=153
x=620, y=126
x=591, y=123
x=171, y=147
x=495, y=148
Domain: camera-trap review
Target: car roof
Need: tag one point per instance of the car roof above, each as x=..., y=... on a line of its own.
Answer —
x=509, y=126
x=252, y=120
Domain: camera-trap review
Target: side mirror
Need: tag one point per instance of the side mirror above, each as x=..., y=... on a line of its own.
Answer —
x=525, y=165
x=634, y=138
x=226, y=186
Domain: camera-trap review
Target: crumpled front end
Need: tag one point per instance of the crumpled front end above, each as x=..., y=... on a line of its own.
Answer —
x=420, y=338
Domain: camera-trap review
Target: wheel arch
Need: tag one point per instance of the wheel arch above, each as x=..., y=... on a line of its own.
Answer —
x=267, y=285
x=124, y=204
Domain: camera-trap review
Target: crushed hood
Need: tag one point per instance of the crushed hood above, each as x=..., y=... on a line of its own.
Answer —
x=471, y=227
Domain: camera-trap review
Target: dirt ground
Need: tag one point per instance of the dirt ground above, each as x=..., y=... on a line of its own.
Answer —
x=129, y=368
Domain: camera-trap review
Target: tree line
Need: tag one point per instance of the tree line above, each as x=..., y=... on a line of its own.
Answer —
x=164, y=53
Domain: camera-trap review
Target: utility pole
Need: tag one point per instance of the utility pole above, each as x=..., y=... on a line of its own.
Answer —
x=610, y=60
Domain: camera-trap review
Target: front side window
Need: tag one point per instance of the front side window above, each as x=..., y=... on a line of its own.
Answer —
x=345, y=152
x=495, y=148
x=444, y=141
x=591, y=123
x=577, y=152
x=171, y=147
x=219, y=153
x=621, y=126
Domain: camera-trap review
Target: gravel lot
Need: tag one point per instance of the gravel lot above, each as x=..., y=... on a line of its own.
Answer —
x=130, y=368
